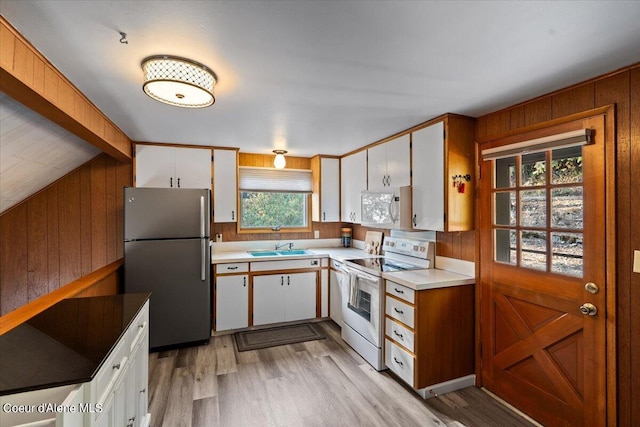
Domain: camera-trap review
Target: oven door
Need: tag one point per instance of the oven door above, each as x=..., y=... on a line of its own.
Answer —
x=363, y=317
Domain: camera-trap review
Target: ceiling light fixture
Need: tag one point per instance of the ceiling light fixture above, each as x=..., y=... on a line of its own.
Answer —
x=279, y=161
x=178, y=81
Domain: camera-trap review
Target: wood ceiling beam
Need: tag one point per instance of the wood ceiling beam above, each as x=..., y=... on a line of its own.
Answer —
x=27, y=76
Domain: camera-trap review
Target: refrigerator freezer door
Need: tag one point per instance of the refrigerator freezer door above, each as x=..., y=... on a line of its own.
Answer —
x=166, y=213
x=180, y=303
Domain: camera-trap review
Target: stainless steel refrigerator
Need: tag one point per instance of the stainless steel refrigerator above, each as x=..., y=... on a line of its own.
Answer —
x=167, y=253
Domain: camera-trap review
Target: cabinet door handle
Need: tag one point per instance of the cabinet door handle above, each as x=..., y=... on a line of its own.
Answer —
x=244, y=281
x=281, y=280
x=233, y=215
x=116, y=366
x=178, y=182
x=171, y=182
x=232, y=268
x=324, y=216
x=397, y=361
x=400, y=291
x=415, y=220
x=400, y=335
x=288, y=280
x=398, y=311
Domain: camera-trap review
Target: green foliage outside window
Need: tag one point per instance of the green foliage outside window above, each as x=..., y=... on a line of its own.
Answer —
x=269, y=210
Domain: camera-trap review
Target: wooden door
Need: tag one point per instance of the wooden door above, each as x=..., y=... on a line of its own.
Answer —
x=543, y=222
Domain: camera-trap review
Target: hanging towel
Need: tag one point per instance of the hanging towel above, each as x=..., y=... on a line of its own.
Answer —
x=354, y=290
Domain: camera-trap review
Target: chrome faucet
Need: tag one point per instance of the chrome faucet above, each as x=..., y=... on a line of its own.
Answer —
x=282, y=245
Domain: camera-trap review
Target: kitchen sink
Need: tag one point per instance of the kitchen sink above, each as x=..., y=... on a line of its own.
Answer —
x=287, y=252
x=295, y=252
x=263, y=253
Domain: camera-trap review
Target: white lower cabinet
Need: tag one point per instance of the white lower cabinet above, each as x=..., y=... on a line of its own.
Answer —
x=284, y=297
x=232, y=302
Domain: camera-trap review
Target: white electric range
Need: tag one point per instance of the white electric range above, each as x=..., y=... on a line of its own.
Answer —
x=362, y=287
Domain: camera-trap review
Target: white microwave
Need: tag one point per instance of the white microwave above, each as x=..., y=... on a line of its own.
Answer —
x=390, y=208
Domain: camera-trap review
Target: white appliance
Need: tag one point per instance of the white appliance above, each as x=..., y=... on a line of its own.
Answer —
x=389, y=208
x=363, y=310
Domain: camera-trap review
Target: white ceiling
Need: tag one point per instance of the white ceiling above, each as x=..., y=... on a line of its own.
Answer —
x=326, y=76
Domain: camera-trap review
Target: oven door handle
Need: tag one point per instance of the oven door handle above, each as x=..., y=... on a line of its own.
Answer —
x=367, y=277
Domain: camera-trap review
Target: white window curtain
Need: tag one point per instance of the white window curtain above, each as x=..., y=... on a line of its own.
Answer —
x=275, y=180
x=561, y=140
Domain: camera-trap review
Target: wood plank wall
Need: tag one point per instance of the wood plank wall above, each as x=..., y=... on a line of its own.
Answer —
x=68, y=230
x=621, y=88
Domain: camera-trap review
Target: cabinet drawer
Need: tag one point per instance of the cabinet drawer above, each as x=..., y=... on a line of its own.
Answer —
x=110, y=372
x=285, y=265
x=401, y=292
x=399, y=334
x=400, y=311
x=399, y=361
x=238, y=267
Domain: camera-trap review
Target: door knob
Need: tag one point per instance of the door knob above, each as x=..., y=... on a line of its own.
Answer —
x=588, y=309
x=592, y=288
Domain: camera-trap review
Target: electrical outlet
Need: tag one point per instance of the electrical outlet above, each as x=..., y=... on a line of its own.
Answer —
x=219, y=237
x=636, y=261
x=316, y=234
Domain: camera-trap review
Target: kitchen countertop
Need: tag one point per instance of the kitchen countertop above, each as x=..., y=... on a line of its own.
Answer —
x=65, y=344
x=337, y=253
x=414, y=279
x=428, y=279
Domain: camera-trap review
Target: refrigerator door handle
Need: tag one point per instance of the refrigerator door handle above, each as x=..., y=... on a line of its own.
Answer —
x=202, y=216
x=203, y=261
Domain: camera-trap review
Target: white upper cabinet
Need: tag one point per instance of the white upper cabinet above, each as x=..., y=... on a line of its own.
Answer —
x=389, y=164
x=225, y=185
x=443, y=164
x=326, y=189
x=428, y=178
x=172, y=167
x=353, y=180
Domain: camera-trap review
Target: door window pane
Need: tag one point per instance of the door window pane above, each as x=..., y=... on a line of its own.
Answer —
x=566, y=207
x=533, y=208
x=567, y=254
x=534, y=170
x=505, y=245
x=566, y=166
x=505, y=208
x=533, y=252
x=506, y=172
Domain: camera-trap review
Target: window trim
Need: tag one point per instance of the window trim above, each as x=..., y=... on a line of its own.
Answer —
x=267, y=230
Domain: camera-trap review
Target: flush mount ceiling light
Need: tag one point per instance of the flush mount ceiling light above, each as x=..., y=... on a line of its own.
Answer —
x=279, y=162
x=178, y=81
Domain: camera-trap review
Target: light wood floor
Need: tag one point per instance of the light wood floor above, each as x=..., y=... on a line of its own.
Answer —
x=316, y=383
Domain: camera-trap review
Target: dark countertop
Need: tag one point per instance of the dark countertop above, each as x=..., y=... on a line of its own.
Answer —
x=65, y=344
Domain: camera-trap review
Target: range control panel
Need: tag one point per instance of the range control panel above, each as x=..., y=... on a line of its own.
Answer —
x=415, y=248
